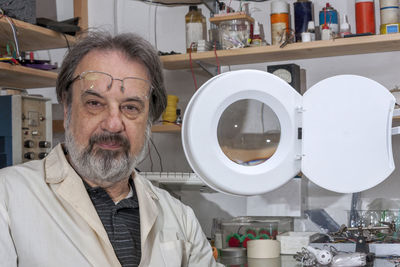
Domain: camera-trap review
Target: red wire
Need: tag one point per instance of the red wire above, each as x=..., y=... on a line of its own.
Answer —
x=216, y=57
x=191, y=67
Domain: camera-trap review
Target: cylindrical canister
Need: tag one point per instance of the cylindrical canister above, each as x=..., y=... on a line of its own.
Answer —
x=389, y=11
x=302, y=15
x=279, y=21
x=329, y=16
x=365, y=16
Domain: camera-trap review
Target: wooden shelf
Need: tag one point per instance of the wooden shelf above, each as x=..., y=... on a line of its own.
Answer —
x=166, y=128
x=58, y=127
x=32, y=37
x=23, y=77
x=317, y=49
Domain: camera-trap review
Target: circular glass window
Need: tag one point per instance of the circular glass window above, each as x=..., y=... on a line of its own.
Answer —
x=248, y=132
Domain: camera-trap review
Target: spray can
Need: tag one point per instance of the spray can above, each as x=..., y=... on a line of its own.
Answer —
x=365, y=16
x=302, y=15
x=279, y=21
x=329, y=16
x=389, y=10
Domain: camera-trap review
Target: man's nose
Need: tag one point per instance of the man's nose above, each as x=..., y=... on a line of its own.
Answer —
x=113, y=122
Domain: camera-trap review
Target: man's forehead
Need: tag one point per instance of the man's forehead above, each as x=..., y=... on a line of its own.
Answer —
x=109, y=60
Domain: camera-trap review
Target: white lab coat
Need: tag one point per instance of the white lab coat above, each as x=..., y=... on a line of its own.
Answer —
x=47, y=219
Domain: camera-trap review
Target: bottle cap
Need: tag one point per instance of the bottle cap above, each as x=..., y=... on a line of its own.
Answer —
x=360, y=1
x=279, y=7
x=192, y=8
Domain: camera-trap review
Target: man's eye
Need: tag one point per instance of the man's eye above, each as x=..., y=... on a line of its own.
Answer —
x=93, y=104
x=130, y=110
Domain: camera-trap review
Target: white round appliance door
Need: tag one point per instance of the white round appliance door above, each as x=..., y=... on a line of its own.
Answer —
x=240, y=132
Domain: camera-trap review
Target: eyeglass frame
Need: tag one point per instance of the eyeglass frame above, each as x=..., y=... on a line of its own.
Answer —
x=81, y=76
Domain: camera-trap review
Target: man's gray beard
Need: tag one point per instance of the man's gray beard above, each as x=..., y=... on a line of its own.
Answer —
x=99, y=165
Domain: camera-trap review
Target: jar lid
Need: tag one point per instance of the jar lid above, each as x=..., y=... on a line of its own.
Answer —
x=360, y=1
x=279, y=7
x=233, y=252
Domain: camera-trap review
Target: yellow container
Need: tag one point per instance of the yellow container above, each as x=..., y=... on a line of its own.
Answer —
x=390, y=28
x=169, y=114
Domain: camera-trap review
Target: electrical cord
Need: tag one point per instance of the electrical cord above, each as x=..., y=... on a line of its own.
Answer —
x=66, y=40
x=191, y=67
x=158, y=154
x=150, y=158
x=14, y=31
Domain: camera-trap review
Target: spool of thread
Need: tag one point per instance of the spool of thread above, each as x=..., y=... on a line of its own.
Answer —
x=302, y=15
x=279, y=21
x=389, y=11
x=169, y=114
x=365, y=16
x=263, y=248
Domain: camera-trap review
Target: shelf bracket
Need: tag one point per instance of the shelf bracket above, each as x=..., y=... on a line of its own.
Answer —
x=211, y=5
x=207, y=67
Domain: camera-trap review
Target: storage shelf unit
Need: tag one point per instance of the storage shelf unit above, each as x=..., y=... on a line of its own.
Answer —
x=316, y=49
x=23, y=77
x=32, y=37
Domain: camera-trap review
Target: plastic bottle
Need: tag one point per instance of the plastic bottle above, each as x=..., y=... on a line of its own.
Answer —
x=279, y=20
x=344, y=27
x=196, y=28
x=365, y=16
x=257, y=40
x=311, y=29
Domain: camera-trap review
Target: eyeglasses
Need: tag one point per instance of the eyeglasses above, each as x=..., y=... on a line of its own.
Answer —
x=102, y=81
x=94, y=83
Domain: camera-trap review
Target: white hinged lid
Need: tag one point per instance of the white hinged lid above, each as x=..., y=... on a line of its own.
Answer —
x=341, y=114
x=347, y=123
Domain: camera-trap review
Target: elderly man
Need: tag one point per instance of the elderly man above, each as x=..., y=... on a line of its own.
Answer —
x=84, y=204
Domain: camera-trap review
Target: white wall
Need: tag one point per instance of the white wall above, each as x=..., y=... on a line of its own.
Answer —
x=164, y=27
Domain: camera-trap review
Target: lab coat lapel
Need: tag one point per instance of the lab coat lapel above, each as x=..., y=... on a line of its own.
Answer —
x=148, y=215
x=69, y=186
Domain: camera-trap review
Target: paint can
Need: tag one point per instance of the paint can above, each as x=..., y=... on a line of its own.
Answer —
x=329, y=16
x=389, y=10
x=302, y=15
x=279, y=21
x=365, y=16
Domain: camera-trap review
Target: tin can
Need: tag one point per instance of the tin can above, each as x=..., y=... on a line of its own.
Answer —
x=389, y=10
x=302, y=15
x=365, y=16
x=390, y=28
x=279, y=21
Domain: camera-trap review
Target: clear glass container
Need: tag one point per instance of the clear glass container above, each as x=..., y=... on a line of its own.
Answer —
x=234, y=33
x=196, y=28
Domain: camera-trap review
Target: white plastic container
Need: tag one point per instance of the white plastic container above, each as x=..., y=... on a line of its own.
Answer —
x=292, y=242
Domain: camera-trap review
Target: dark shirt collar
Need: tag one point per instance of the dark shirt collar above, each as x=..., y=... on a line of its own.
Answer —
x=97, y=192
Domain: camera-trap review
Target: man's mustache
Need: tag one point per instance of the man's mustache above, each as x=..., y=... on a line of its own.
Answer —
x=110, y=138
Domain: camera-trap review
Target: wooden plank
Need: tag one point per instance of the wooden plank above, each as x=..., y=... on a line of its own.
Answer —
x=32, y=37
x=81, y=11
x=231, y=16
x=317, y=49
x=166, y=128
x=23, y=77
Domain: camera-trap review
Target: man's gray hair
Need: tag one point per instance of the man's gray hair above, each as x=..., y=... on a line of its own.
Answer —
x=134, y=47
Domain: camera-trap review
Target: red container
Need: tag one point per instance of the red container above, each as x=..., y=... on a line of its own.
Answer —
x=365, y=16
